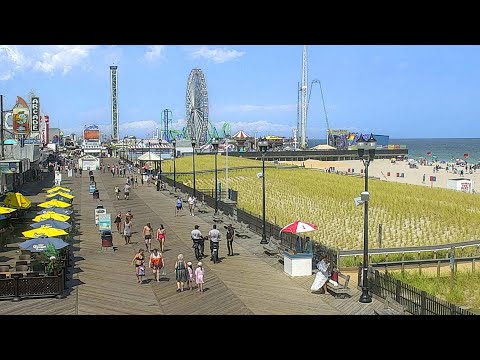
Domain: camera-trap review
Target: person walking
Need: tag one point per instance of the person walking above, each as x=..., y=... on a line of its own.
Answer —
x=118, y=221
x=127, y=230
x=139, y=261
x=147, y=236
x=117, y=192
x=230, y=236
x=178, y=206
x=126, y=190
x=199, y=276
x=214, y=236
x=130, y=217
x=190, y=275
x=156, y=263
x=161, y=237
x=191, y=204
x=181, y=274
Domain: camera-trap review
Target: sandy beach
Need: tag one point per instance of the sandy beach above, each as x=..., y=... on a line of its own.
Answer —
x=382, y=168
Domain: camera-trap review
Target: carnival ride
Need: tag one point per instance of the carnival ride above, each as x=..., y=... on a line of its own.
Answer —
x=196, y=105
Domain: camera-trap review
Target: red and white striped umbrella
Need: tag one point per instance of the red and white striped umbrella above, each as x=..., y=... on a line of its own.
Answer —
x=299, y=227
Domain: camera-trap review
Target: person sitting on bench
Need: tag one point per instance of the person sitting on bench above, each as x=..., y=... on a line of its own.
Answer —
x=322, y=276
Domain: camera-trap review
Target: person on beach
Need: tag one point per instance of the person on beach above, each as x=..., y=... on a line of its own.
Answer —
x=118, y=221
x=161, y=237
x=147, y=236
x=156, y=263
x=199, y=276
x=178, y=206
x=139, y=261
x=127, y=230
x=423, y=182
x=181, y=273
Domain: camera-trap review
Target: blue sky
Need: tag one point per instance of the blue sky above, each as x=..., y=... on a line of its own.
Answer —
x=402, y=91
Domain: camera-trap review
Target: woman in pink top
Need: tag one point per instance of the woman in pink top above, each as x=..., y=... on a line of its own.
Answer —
x=199, y=273
x=190, y=275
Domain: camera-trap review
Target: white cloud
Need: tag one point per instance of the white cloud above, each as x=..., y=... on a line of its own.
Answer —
x=247, y=108
x=154, y=52
x=217, y=55
x=262, y=127
x=42, y=58
x=140, y=125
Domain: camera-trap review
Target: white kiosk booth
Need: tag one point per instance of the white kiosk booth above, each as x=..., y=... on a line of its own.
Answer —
x=297, y=264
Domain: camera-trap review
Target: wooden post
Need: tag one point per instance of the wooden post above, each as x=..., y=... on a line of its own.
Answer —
x=423, y=303
x=380, y=235
x=435, y=254
x=403, y=267
x=420, y=268
x=438, y=268
x=398, y=289
x=473, y=265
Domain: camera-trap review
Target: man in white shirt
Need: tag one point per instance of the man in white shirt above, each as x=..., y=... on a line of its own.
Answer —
x=214, y=236
x=191, y=204
x=197, y=238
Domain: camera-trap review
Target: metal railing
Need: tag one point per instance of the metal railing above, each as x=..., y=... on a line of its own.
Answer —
x=415, y=300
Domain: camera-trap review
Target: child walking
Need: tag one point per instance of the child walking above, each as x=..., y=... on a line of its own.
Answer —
x=190, y=275
x=199, y=273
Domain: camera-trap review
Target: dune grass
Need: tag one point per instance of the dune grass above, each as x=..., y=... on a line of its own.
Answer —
x=411, y=215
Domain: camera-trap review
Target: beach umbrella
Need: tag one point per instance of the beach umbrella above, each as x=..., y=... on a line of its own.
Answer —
x=62, y=194
x=51, y=223
x=51, y=215
x=58, y=188
x=54, y=203
x=44, y=231
x=39, y=244
x=56, y=210
x=298, y=227
x=17, y=201
x=6, y=210
x=59, y=197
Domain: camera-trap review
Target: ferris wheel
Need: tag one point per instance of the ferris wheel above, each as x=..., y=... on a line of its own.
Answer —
x=196, y=101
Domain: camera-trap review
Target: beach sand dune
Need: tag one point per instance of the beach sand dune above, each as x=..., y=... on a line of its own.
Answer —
x=387, y=171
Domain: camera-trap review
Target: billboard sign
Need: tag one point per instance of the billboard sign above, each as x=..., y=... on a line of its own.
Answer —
x=35, y=115
x=91, y=134
x=20, y=121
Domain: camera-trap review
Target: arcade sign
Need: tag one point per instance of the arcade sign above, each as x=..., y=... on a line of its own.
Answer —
x=35, y=115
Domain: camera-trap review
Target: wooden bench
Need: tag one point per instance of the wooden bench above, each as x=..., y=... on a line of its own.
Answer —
x=274, y=247
x=203, y=208
x=341, y=291
x=242, y=232
x=218, y=217
x=391, y=307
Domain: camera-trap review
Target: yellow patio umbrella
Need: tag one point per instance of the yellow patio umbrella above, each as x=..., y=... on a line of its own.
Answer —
x=6, y=210
x=62, y=194
x=54, y=203
x=57, y=188
x=51, y=215
x=17, y=201
x=44, y=231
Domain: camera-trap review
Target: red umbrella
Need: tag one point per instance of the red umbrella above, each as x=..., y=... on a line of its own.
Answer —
x=298, y=227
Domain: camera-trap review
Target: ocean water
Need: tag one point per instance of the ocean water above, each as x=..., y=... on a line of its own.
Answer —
x=443, y=149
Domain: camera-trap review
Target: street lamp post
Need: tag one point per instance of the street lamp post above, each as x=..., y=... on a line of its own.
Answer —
x=263, y=145
x=215, y=149
x=174, y=142
x=193, y=167
x=368, y=146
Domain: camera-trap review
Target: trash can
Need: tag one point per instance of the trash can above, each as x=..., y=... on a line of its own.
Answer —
x=96, y=195
x=92, y=178
x=158, y=185
x=107, y=238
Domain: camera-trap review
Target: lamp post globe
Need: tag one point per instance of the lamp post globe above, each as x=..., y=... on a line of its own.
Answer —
x=263, y=146
x=366, y=153
x=194, y=142
x=214, y=143
x=174, y=143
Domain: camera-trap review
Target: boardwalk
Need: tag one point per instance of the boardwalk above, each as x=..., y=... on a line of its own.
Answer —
x=104, y=282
